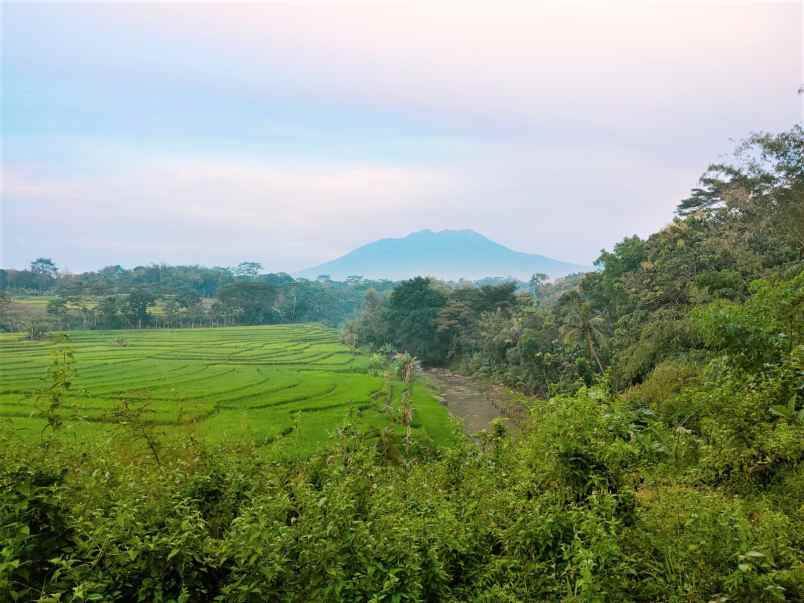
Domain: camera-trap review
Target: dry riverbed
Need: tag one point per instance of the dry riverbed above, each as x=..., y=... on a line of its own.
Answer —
x=474, y=402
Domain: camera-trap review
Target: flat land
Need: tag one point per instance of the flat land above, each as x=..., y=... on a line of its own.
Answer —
x=285, y=387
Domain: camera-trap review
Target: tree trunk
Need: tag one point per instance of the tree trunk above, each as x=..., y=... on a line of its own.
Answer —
x=592, y=351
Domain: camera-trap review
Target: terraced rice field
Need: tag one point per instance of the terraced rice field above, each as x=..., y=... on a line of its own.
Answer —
x=285, y=387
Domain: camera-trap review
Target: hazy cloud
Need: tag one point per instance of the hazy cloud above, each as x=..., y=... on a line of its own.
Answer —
x=292, y=133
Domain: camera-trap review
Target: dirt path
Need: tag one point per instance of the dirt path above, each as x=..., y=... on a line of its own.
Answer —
x=477, y=404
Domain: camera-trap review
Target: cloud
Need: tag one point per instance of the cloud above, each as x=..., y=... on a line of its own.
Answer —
x=244, y=207
x=291, y=134
x=289, y=214
x=482, y=68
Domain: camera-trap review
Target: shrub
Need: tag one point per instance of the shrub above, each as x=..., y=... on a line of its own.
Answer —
x=701, y=545
x=659, y=391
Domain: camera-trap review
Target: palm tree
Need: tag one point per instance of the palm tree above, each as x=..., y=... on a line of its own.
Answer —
x=582, y=326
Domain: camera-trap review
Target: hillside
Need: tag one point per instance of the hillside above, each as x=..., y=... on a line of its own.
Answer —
x=447, y=254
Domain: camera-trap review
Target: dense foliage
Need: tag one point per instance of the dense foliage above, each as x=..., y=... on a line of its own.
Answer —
x=664, y=464
x=177, y=296
x=162, y=296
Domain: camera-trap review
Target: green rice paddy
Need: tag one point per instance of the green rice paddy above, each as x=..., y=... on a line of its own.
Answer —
x=286, y=388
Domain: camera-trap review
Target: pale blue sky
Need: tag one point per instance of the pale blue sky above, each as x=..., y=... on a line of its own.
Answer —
x=289, y=134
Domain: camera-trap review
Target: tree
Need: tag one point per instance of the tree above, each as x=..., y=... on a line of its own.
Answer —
x=137, y=305
x=109, y=312
x=496, y=297
x=412, y=312
x=87, y=313
x=249, y=302
x=57, y=308
x=5, y=314
x=277, y=279
x=582, y=326
x=44, y=267
x=187, y=299
x=764, y=185
x=536, y=284
x=172, y=311
x=115, y=272
x=456, y=321
x=248, y=270
x=370, y=326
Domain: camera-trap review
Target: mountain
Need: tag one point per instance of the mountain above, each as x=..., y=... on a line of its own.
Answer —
x=448, y=254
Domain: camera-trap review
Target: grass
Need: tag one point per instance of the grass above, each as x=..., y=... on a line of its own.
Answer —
x=285, y=387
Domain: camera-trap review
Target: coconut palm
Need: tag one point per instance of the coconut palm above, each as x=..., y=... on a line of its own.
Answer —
x=582, y=326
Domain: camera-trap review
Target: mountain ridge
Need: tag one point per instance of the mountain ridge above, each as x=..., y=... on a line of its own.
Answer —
x=447, y=254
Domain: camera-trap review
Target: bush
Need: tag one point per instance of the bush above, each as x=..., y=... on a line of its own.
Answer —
x=695, y=544
x=659, y=391
x=575, y=508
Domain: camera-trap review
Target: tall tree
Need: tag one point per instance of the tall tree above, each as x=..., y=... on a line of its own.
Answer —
x=44, y=267
x=137, y=306
x=536, y=284
x=412, y=312
x=110, y=312
x=6, y=323
x=250, y=302
x=763, y=186
x=582, y=326
x=370, y=325
x=247, y=270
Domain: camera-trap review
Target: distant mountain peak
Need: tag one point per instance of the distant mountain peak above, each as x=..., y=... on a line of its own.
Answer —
x=446, y=232
x=447, y=254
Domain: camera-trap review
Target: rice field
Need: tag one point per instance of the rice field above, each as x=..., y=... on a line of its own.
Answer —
x=285, y=387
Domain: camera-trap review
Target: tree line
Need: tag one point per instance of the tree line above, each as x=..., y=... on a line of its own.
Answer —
x=178, y=296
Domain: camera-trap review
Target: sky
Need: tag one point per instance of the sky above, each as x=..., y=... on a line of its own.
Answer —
x=289, y=134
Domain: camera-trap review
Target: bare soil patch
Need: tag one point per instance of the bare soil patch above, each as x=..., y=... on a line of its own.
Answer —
x=474, y=402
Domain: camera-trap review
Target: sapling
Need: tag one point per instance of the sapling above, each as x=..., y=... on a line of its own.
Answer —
x=61, y=374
